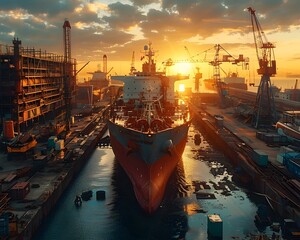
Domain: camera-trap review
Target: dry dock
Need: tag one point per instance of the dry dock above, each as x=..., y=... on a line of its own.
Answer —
x=31, y=196
x=239, y=143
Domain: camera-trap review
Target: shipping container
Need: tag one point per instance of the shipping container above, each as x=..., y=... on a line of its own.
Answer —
x=19, y=190
x=4, y=226
x=260, y=158
x=293, y=165
x=288, y=156
x=51, y=141
x=214, y=226
x=219, y=121
x=272, y=138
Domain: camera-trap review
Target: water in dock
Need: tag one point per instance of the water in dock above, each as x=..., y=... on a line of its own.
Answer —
x=201, y=185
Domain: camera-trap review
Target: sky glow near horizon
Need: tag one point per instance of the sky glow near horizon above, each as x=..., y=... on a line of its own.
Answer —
x=117, y=28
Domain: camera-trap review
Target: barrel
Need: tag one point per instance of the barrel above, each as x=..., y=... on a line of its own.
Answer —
x=100, y=195
x=9, y=129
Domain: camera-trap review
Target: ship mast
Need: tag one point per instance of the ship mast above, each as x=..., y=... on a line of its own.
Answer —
x=149, y=66
x=150, y=55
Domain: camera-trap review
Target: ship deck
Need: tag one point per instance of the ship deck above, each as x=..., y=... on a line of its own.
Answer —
x=176, y=120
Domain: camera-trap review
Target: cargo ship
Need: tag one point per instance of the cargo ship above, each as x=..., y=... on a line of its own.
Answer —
x=232, y=80
x=148, y=130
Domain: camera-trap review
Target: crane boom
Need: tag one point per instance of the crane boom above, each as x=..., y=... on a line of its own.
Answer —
x=264, y=48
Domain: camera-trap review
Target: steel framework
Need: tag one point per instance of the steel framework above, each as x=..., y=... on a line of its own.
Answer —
x=264, y=114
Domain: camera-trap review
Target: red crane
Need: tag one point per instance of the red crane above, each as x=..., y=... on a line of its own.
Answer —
x=264, y=113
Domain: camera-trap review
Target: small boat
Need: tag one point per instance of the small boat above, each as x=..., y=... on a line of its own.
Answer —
x=22, y=144
x=78, y=201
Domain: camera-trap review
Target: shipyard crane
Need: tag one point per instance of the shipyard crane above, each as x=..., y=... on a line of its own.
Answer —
x=170, y=62
x=264, y=114
x=216, y=62
x=198, y=74
x=82, y=68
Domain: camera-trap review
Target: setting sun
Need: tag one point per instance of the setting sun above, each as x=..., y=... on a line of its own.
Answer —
x=181, y=88
x=184, y=68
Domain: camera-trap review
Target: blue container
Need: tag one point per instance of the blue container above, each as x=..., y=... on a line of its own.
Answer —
x=214, y=226
x=260, y=158
x=51, y=142
x=293, y=165
x=4, y=226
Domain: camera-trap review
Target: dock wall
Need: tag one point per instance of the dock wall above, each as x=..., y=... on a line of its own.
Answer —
x=48, y=200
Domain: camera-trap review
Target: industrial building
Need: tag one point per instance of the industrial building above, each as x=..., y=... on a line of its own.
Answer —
x=36, y=86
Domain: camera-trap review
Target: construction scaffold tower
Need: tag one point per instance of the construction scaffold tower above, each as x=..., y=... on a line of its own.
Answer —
x=69, y=73
x=264, y=114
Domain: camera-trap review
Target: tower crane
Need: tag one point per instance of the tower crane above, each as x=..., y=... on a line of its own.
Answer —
x=264, y=114
x=216, y=62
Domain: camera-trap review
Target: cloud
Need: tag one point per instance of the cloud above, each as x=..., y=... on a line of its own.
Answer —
x=51, y=8
x=123, y=16
x=143, y=2
x=110, y=26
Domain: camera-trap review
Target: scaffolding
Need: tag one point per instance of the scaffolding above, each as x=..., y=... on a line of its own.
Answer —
x=32, y=86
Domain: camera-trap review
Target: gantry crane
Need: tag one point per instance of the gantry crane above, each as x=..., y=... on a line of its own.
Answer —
x=221, y=88
x=264, y=114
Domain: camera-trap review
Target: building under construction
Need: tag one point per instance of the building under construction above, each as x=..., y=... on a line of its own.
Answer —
x=36, y=87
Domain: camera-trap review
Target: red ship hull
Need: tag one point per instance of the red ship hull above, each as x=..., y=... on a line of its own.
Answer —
x=149, y=175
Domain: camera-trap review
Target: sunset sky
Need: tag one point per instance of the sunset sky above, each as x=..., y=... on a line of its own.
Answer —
x=117, y=28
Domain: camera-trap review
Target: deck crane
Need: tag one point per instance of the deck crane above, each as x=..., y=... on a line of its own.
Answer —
x=221, y=88
x=264, y=114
